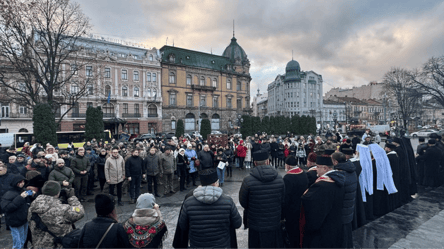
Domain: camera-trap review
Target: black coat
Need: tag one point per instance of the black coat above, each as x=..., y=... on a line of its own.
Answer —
x=312, y=175
x=350, y=186
x=229, y=155
x=394, y=201
x=432, y=159
x=404, y=175
x=274, y=147
x=262, y=196
x=359, y=218
x=256, y=147
x=266, y=147
x=322, y=211
x=134, y=166
x=95, y=229
x=206, y=159
x=5, y=183
x=14, y=205
x=100, y=162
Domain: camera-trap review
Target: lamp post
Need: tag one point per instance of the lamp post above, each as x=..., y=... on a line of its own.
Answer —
x=239, y=122
x=335, y=118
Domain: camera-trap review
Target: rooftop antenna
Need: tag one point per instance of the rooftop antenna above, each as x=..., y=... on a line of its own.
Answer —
x=292, y=54
x=233, y=27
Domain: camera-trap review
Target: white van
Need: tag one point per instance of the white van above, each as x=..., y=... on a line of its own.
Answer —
x=7, y=139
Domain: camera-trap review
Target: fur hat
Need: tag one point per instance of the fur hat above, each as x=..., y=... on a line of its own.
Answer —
x=431, y=141
x=51, y=188
x=260, y=155
x=390, y=146
x=104, y=204
x=291, y=161
x=208, y=177
x=325, y=159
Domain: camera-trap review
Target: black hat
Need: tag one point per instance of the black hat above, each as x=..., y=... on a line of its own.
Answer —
x=329, y=152
x=260, y=155
x=431, y=141
x=63, y=152
x=347, y=151
x=348, y=141
x=397, y=140
x=291, y=161
x=325, y=159
x=21, y=155
x=434, y=135
x=208, y=177
x=390, y=146
x=104, y=204
x=421, y=139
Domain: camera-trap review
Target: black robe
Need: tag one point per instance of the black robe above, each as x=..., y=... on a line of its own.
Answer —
x=432, y=158
x=404, y=176
x=413, y=188
x=380, y=197
x=420, y=150
x=321, y=212
x=359, y=218
x=312, y=175
x=296, y=183
x=394, y=200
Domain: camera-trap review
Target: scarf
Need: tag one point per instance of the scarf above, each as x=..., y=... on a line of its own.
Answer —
x=366, y=176
x=384, y=171
x=141, y=235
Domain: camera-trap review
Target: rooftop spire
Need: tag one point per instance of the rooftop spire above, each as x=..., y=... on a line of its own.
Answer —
x=292, y=54
x=233, y=27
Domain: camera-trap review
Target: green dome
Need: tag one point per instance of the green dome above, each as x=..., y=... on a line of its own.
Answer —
x=235, y=52
x=293, y=65
x=292, y=71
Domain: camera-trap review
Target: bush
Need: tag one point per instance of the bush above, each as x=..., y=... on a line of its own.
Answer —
x=205, y=128
x=45, y=127
x=180, y=129
x=94, y=123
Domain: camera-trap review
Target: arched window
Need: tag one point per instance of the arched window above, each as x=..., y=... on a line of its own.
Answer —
x=172, y=78
x=214, y=82
x=154, y=77
x=107, y=90
x=125, y=91
x=152, y=110
x=190, y=122
x=203, y=115
x=215, y=122
x=151, y=57
x=136, y=91
x=189, y=79
x=202, y=81
x=23, y=130
x=148, y=77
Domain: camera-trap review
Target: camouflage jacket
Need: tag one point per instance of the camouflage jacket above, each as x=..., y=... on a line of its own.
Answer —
x=56, y=216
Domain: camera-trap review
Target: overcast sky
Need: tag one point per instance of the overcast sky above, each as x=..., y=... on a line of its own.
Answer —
x=349, y=43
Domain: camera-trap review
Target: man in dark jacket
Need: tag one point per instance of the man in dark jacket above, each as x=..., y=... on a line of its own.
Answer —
x=153, y=169
x=64, y=176
x=80, y=165
x=420, y=150
x=350, y=186
x=38, y=163
x=208, y=215
x=135, y=171
x=296, y=182
x=262, y=196
x=322, y=207
x=95, y=230
x=206, y=158
x=274, y=147
x=5, y=182
x=432, y=159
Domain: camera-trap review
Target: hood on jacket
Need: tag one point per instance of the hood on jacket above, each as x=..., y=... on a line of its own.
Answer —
x=43, y=203
x=16, y=179
x=346, y=166
x=264, y=173
x=207, y=194
x=338, y=177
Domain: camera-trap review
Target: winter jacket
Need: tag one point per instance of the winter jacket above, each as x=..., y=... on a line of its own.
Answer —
x=14, y=205
x=62, y=174
x=168, y=163
x=248, y=147
x=5, y=183
x=206, y=159
x=80, y=163
x=152, y=165
x=274, y=147
x=208, y=215
x=262, y=196
x=266, y=147
x=100, y=164
x=182, y=161
x=95, y=229
x=229, y=155
x=56, y=216
x=350, y=186
x=134, y=166
x=115, y=169
x=190, y=154
x=241, y=151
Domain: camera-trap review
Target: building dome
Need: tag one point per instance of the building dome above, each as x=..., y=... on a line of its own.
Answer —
x=292, y=71
x=235, y=52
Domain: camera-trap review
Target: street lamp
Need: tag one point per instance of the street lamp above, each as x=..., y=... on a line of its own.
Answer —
x=239, y=121
x=335, y=118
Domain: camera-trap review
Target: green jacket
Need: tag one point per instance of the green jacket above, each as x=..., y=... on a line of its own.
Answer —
x=80, y=163
x=62, y=174
x=168, y=163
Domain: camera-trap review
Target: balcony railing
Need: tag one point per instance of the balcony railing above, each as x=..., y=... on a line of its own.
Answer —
x=109, y=115
x=131, y=115
x=152, y=115
x=204, y=88
x=78, y=115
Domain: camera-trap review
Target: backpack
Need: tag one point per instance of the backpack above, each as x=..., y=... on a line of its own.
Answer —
x=70, y=240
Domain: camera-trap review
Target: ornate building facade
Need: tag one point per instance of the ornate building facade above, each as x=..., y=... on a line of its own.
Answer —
x=198, y=85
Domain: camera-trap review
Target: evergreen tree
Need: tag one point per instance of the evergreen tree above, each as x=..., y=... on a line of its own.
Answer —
x=256, y=125
x=272, y=126
x=287, y=125
x=265, y=123
x=45, y=128
x=205, y=128
x=94, y=123
x=295, y=124
x=304, y=125
x=180, y=129
x=246, y=128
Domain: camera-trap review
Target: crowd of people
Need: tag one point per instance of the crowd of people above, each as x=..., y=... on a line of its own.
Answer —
x=331, y=187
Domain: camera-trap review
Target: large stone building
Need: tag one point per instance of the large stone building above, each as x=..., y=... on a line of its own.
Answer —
x=296, y=93
x=199, y=85
x=373, y=90
x=260, y=104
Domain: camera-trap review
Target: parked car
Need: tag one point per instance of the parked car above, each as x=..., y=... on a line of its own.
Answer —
x=216, y=132
x=423, y=133
x=148, y=137
x=440, y=132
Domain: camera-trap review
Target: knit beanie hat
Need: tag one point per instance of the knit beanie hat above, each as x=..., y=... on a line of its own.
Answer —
x=208, y=177
x=60, y=161
x=146, y=200
x=51, y=188
x=104, y=204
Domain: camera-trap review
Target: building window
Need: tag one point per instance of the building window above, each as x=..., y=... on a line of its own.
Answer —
x=136, y=108
x=214, y=82
x=90, y=89
x=124, y=75
x=154, y=93
x=133, y=128
x=172, y=99
x=125, y=91
x=229, y=104
x=89, y=104
x=152, y=110
x=108, y=110
x=107, y=90
x=148, y=91
x=173, y=124
x=125, y=107
x=136, y=91
x=78, y=127
x=189, y=79
x=76, y=109
x=148, y=77
x=189, y=100
x=89, y=71
x=23, y=110
x=74, y=69
x=172, y=78
x=239, y=86
x=203, y=100
x=136, y=76
x=239, y=103
x=151, y=57
x=107, y=72
x=74, y=88
x=215, y=101
x=202, y=81
x=229, y=84
x=154, y=77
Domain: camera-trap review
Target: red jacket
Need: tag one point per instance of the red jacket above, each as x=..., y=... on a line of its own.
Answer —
x=241, y=151
x=286, y=151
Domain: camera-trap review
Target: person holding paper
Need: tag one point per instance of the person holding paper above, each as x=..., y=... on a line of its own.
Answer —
x=221, y=162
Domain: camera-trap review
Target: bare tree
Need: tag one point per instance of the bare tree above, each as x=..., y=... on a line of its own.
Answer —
x=430, y=79
x=40, y=59
x=400, y=87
